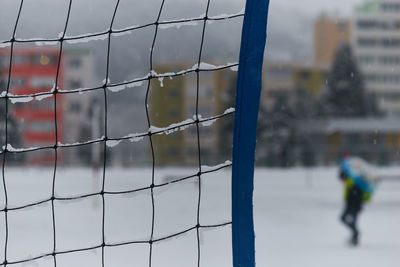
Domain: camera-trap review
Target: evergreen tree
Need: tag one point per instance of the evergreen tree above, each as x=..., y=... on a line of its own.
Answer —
x=305, y=110
x=346, y=94
x=226, y=125
x=277, y=134
x=13, y=127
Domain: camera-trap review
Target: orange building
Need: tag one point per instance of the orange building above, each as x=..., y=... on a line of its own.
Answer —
x=329, y=33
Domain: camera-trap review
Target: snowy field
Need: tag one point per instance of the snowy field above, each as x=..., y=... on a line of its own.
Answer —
x=296, y=219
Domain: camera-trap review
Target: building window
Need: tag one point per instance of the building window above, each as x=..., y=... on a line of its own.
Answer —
x=18, y=60
x=381, y=25
x=390, y=42
x=206, y=92
x=3, y=84
x=42, y=82
x=75, y=107
x=387, y=79
x=173, y=113
x=206, y=132
x=173, y=152
x=204, y=110
x=41, y=126
x=174, y=92
x=279, y=74
x=366, y=24
x=17, y=81
x=393, y=96
x=390, y=7
x=192, y=131
x=390, y=61
x=75, y=63
x=304, y=75
x=45, y=104
x=74, y=84
x=367, y=42
x=366, y=60
x=4, y=61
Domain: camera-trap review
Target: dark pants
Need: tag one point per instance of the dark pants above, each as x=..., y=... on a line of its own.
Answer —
x=352, y=209
x=349, y=218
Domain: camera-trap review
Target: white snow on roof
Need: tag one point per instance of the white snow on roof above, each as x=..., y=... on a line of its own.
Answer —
x=364, y=125
x=354, y=125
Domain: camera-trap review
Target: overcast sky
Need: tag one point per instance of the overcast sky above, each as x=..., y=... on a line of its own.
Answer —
x=316, y=6
x=290, y=25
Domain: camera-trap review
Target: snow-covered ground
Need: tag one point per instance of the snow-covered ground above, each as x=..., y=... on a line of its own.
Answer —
x=296, y=219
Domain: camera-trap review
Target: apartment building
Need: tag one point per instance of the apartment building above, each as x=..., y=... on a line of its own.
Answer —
x=329, y=33
x=376, y=43
x=36, y=70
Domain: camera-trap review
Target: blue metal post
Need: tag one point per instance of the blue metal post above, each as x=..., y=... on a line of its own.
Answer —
x=248, y=91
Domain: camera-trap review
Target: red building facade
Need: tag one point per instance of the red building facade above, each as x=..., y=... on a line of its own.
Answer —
x=35, y=71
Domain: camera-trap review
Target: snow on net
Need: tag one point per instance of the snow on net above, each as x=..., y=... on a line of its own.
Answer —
x=51, y=202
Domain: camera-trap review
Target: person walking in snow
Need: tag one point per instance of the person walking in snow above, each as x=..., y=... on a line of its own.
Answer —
x=358, y=189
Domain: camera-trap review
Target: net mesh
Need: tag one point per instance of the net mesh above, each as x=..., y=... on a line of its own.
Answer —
x=106, y=141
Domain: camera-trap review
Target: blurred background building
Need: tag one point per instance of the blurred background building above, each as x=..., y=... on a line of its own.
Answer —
x=329, y=33
x=34, y=70
x=175, y=101
x=376, y=45
x=313, y=101
x=81, y=111
x=345, y=101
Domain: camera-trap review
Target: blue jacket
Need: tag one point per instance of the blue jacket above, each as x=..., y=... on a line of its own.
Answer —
x=355, y=179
